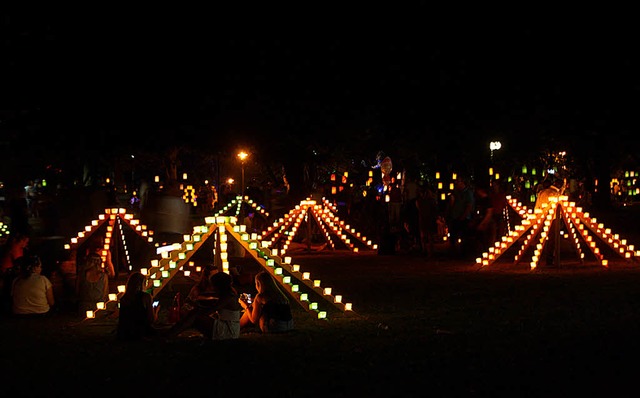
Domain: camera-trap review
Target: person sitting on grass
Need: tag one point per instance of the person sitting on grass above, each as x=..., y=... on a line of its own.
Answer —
x=31, y=293
x=202, y=289
x=14, y=248
x=218, y=317
x=270, y=309
x=93, y=285
x=136, y=314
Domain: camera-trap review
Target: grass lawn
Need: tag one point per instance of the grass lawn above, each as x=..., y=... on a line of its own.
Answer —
x=419, y=328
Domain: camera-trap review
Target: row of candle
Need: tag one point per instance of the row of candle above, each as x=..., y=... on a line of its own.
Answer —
x=538, y=222
x=329, y=224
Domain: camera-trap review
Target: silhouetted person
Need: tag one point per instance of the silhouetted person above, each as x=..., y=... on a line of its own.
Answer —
x=459, y=212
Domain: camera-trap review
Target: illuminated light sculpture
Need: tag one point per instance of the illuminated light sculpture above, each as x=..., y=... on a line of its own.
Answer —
x=115, y=220
x=322, y=216
x=176, y=256
x=580, y=229
x=236, y=206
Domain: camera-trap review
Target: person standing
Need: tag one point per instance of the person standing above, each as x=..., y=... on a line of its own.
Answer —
x=459, y=212
x=485, y=228
x=427, y=206
x=500, y=206
x=553, y=188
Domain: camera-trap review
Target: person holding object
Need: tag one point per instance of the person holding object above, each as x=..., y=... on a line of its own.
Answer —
x=218, y=317
x=270, y=309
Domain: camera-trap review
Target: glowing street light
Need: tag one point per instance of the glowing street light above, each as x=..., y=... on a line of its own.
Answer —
x=494, y=146
x=242, y=156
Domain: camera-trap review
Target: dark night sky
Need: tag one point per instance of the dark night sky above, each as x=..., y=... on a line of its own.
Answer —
x=410, y=76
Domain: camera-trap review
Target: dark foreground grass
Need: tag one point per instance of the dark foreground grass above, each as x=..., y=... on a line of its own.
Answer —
x=419, y=328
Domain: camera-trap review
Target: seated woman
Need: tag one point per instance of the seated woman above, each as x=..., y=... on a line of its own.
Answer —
x=31, y=293
x=224, y=321
x=270, y=309
x=201, y=290
x=216, y=319
x=14, y=248
x=93, y=285
x=137, y=314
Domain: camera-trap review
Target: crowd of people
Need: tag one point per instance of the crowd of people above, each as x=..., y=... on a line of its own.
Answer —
x=213, y=306
x=471, y=218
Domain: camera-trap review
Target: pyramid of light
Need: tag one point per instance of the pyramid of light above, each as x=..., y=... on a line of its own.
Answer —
x=234, y=207
x=115, y=219
x=322, y=215
x=583, y=231
x=174, y=258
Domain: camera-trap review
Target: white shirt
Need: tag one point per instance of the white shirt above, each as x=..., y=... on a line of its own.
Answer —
x=29, y=295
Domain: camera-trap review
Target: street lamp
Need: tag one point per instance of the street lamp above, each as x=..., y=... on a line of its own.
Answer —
x=494, y=146
x=242, y=156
